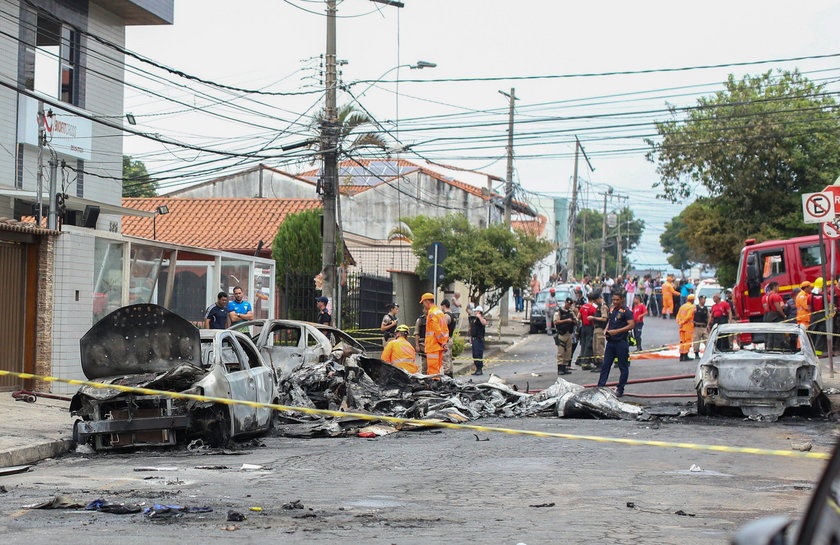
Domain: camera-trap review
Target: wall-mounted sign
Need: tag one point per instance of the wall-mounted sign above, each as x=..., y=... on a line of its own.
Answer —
x=69, y=134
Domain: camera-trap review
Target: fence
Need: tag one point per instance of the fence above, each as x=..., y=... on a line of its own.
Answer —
x=363, y=298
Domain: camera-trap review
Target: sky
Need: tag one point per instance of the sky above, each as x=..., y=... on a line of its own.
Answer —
x=276, y=46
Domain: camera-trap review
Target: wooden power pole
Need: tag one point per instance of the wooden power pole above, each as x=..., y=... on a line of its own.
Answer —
x=503, y=304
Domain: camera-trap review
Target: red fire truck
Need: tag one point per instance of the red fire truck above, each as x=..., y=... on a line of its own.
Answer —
x=788, y=262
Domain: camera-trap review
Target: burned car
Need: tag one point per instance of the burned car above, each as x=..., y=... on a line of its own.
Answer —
x=761, y=368
x=288, y=344
x=147, y=346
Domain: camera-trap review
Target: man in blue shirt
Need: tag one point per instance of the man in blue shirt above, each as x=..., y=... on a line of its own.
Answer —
x=619, y=323
x=239, y=310
x=216, y=317
x=686, y=289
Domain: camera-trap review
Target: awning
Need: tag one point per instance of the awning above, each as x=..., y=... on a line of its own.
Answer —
x=75, y=203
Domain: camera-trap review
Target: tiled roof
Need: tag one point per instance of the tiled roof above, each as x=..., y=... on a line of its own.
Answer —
x=224, y=224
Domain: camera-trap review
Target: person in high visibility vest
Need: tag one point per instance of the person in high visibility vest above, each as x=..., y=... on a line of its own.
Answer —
x=668, y=293
x=437, y=334
x=399, y=352
x=803, y=307
x=685, y=319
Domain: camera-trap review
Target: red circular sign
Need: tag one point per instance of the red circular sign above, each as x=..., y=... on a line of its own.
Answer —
x=830, y=230
x=818, y=206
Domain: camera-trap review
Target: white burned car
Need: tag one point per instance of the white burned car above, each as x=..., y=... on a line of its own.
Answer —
x=147, y=346
x=761, y=368
x=288, y=344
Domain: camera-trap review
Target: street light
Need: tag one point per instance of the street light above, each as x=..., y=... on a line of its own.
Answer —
x=161, y=210
x=419, y=65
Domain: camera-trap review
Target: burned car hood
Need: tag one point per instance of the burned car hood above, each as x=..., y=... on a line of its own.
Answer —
x=139, y=339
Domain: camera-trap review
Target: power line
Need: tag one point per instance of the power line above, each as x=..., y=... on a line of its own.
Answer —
x=600, y=74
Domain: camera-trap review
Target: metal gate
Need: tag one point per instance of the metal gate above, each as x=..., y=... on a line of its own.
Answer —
x=374, y=294
x=13, y=272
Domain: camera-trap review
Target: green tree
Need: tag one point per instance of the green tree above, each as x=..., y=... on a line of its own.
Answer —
x=297, y=245
x=487, y=260
x=136, y=180
x=352, y=125
x=751, y=150
x=680, y=255
x=589, y=244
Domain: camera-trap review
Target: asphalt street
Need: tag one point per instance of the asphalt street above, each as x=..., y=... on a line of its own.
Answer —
x=444, y=486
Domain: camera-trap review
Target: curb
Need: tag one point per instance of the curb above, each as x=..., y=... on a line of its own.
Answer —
x=34, y=453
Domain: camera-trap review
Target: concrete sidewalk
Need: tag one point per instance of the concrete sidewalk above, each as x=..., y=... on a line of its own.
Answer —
x=33, y=431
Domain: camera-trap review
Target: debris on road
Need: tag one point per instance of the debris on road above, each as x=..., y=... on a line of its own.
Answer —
x=802, y=447
x=292, y=505
x=477, y=438
x=3, y=490
x=695, y=468
x=230, y=528
x=251, y=467
x=235, y=516
x=684, y=514
x=58, y=502
x=152, y=468
x=363, y=384
x=543, y=505
x=212, y=467
x=164, y=511
x=11, y=470
x=105, y=506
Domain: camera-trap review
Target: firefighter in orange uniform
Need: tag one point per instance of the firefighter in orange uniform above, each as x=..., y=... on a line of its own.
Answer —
x=803, y=309
x=685, y=319
x=399, y=352
x=668, y=293
x=437, y=334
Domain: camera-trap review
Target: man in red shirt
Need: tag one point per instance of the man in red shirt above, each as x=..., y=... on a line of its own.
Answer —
x=587, y=329
x=775, y=313
x=639, y=313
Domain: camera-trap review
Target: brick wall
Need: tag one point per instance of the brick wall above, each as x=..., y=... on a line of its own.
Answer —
x=44, y=314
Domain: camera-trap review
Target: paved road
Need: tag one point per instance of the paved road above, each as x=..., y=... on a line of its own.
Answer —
x=442, y=486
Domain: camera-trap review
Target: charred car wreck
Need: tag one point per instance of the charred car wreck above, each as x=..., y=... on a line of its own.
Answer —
x=147, y=346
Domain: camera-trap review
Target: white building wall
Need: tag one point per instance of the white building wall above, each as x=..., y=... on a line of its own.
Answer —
x=246, y=185
x=72, y=318
x=9, y=13
x=104, y=97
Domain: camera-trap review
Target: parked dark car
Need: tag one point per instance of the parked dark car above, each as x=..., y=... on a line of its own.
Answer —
x=538, y=314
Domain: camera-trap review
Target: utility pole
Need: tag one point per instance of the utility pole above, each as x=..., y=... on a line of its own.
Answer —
x=570, y=254
x=52, y=218
x=42, y=139
x=602, y=270
x=503, y=305
x=329, y=153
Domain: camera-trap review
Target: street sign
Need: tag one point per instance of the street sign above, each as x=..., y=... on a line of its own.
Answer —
x=835, y=191
x=612, y=220
x=818, y=207
x=830, y=230
x=441, y=252
x=436, y=274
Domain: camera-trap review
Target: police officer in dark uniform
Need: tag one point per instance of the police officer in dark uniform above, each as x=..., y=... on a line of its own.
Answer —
x=619, y=323
x=324, y=316
x=565, y=320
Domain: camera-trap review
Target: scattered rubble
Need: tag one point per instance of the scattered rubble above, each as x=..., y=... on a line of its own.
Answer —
x=360, y=384
x=235, y=516
x=292, y=505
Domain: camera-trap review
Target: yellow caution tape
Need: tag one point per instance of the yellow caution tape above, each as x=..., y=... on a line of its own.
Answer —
x=424, y=423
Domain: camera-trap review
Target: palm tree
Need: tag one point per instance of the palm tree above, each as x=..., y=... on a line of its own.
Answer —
x=351, y=123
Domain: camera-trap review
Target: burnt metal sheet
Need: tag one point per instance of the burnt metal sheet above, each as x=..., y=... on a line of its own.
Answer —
x=136, y=424
x=139, y=339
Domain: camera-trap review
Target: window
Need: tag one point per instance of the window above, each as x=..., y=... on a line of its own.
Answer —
x=772, y=263
x=810, y=256
x=285, y=336
x=253, y=359
x=51, y=63
x=311, y=341
x=230, y=358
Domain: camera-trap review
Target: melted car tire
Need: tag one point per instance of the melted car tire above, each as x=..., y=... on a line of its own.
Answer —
x=702, y=408
x=217, y=427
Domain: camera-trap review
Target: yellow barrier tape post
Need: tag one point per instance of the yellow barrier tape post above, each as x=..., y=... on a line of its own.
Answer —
x=425, y=423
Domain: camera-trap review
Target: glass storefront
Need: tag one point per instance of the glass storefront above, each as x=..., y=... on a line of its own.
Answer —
x=108, y=277
x=143, y=273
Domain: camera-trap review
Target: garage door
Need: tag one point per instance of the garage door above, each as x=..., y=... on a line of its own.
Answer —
x=13, y=273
